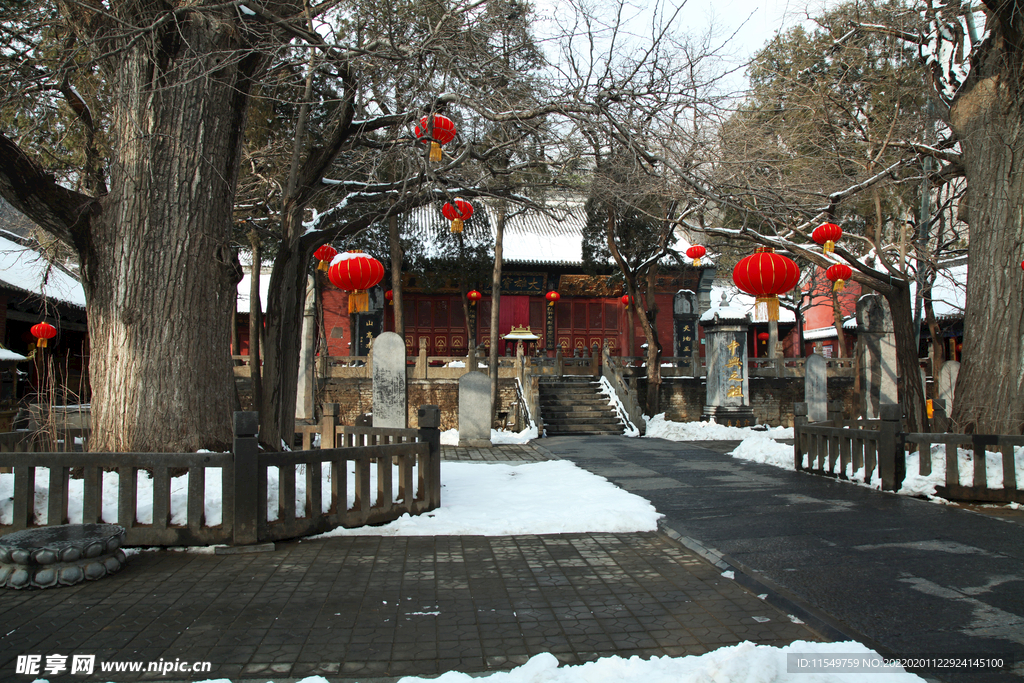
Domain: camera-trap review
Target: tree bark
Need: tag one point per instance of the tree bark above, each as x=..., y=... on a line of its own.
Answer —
x=837, y=320
x=158, y=268
x=987, y=117
x=255, y=323
x=395, y=250
x=499, y=232
x=907, y=364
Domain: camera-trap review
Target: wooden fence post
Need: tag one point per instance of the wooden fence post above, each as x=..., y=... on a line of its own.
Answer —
x=245, y=451
x=799, y=420
x=892, y=461
x=430, y=433
x=329, y=426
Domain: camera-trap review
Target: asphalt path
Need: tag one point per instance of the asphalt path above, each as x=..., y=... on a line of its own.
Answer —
x=909, y=577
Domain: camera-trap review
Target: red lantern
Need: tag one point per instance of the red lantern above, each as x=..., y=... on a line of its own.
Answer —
x=766, y=275
x=763, y=337
x=552, y=297
x=42, y=332
x=839, y=274
x=695, y=252
x=458, y=213
x=827, y=234
x=625, y=299
x=325, y=254
x=473, y=297
x=440, y=131
x=354, y=271
x=390, y=296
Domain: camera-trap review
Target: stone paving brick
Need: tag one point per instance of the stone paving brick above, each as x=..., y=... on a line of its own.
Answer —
x=365, y=606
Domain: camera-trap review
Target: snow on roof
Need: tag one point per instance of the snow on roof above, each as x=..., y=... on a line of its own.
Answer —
x=729, y=302
x=25, y=269
x=8, y=355
x=530, y=236
x=821, y=333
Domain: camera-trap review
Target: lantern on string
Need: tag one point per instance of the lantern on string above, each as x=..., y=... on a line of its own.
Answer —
x=625, y=300
x=390, y=296
x=355, y=272
x=763, y=337
x=43, y=332
x=552, y=297
x=473, y=297
x=325, y=254
x=437, y=130
x=827, y=234
x=457, y=211
x=839, y=274
x=695, y=252
x=765, y=275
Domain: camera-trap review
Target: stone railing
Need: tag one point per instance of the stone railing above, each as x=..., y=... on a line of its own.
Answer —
x=682, y=366
x=626, y=393
x=172, y=511
x=418, y=367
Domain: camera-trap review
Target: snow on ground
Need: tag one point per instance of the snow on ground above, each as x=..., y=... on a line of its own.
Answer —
x=742, y=663
x=503, y=500
x=660, y=428
x=498, y=436
x=487, y=499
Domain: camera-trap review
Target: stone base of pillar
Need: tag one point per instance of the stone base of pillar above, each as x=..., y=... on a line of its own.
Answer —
x=730, y=416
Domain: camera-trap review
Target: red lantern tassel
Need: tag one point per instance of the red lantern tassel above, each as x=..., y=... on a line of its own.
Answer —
x=435, y=152
x=767, y=307
x=41, y=343
x=359, y=301
x=696, y=263
x=829, y=247
x=457, y=225
x=838, y=286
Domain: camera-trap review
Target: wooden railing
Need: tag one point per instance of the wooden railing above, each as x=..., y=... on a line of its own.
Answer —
x=840, y=448
x=410, y=457
x=979, y=445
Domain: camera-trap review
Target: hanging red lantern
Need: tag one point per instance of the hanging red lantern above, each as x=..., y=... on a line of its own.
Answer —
x=356, y=272
x=461, y=211
x=765, y=275
x=552, y=297
x=390, y=296
x=473, y=297
x=625, y=299
x=763, y=337
x=437, y=130
x=325, y=254
x=839, y=274
x=827, y=234
x=695, y=252
x=42, y=332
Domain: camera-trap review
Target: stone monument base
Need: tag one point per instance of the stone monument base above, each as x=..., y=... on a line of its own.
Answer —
x=730, y=416
x=60, y=555
x=475, y=443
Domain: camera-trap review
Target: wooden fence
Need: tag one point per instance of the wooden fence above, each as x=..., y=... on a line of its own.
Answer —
x=410, y=457
x=840, y=448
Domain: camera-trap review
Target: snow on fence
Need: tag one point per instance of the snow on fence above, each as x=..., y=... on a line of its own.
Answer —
x=989, y=469
x=361, y=476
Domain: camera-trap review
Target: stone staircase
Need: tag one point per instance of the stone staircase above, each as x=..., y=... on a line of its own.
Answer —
x=575, y=406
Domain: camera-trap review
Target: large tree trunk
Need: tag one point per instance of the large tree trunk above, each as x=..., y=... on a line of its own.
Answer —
x=499, y=233
x=987, y=117
x=283, y=323
x=159, y=271
x=908, y=366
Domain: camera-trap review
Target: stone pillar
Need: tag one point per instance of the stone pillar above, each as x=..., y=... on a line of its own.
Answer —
x=728, y=383
x=305, y=389
x=816, y=388
x=421, y=360
x=474, y=410
x=389, y=396
x=684, y=314
x=878, y=354
x=945, y=379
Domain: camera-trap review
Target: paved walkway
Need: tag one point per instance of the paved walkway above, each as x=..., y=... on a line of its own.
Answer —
x=373, y=609
x=907, y=576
